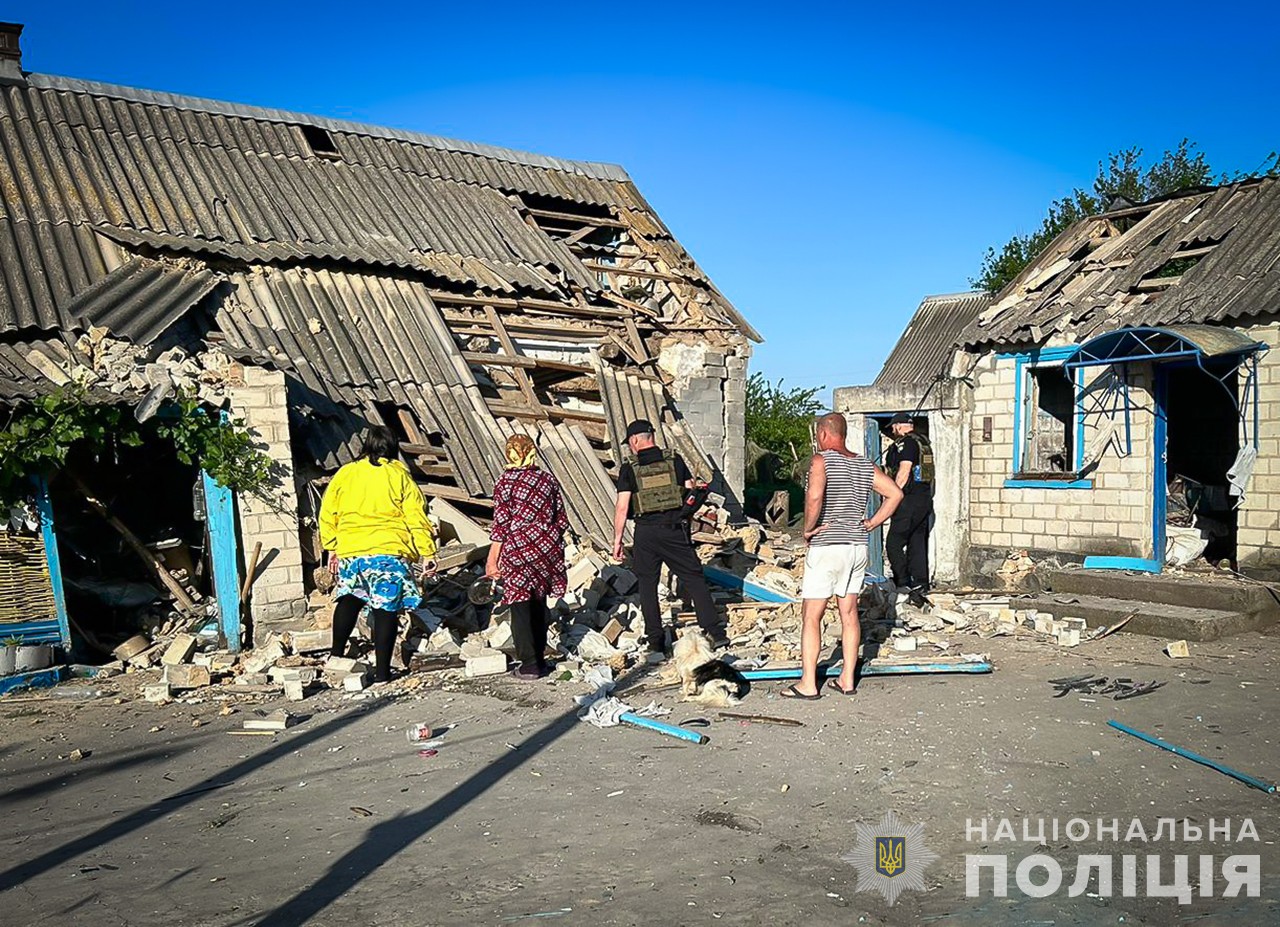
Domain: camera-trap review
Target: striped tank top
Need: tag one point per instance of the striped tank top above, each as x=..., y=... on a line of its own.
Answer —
x=844, y=504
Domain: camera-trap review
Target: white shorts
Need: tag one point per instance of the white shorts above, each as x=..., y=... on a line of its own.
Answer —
x=833, y=569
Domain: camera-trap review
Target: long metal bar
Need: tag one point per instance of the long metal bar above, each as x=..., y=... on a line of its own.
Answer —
x=1253, y=781
x=662, y=727
x=53, y=560
x=874, y=669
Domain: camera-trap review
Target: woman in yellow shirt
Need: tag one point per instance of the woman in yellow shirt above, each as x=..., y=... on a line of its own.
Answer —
x=373, y=522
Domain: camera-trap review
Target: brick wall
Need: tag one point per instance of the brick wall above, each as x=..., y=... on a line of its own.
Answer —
x=1112, y=518
x=277, y=592
x=709, y=386
x=1258, y=539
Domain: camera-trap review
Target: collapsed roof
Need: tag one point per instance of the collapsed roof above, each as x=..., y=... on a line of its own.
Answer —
x=1209, y=256
x=458, y=291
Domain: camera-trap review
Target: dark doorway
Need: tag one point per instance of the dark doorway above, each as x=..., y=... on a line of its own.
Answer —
x=1203, y=440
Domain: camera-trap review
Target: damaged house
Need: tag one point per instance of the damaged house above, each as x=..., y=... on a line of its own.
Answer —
x=1120, y=400
x=309, y=276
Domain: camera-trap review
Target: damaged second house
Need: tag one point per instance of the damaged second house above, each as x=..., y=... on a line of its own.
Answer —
x=308, y=276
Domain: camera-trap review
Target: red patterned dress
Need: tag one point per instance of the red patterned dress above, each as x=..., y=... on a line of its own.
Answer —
x=529, y=522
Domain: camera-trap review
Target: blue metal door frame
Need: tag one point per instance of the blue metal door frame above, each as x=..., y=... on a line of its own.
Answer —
x=220, y=514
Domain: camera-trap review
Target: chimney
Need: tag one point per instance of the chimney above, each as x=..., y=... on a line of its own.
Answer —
x=10, y=52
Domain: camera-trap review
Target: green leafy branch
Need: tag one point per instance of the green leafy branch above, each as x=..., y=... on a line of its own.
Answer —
x=38, y=437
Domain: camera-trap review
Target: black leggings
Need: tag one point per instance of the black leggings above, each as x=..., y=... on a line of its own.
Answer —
x=529, y=631
x=385, y=627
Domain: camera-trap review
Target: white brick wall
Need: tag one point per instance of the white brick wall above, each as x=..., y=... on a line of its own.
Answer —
x=1114, y=517
x=1258, y=539
x=278, y=590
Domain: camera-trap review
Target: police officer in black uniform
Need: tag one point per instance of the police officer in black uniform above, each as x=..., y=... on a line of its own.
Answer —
x=909, y=463
x=651, y=489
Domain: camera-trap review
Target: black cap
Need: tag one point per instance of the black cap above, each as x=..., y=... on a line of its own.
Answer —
x=640, y=427
x=902, y=418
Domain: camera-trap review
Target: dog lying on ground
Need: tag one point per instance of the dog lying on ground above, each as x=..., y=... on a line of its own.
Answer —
x=703, y=678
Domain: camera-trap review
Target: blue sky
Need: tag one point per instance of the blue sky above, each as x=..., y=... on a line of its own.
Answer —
x=827, y=165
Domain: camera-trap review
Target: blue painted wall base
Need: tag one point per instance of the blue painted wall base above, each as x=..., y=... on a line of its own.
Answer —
x=749, y=589
x=36, y=679
x=1121, y=563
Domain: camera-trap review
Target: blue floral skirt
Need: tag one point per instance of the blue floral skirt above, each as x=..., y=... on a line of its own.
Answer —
x=382, y=582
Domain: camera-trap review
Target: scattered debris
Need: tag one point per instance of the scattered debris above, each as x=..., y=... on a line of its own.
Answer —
x=1177, y=649
x=1118, y=689
x=276, y=721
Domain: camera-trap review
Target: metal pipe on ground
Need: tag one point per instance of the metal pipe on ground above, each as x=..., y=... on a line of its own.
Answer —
x=898, y=669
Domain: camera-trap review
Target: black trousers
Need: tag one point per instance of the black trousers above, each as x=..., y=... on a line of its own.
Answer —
x=658, y=544
x=907, y=543
x=529, y=631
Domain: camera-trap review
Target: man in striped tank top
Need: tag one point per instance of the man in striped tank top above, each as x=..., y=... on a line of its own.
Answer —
x=836, y=527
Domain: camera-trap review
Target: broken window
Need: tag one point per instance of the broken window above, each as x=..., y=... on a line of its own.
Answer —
x=320, y=142
x=1049, y=422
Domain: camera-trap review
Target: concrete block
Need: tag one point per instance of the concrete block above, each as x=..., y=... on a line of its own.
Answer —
x=131, y=648
x=304, y=674
x=342, y=665
x=1068, y=637
x=295, y=690
x=222, y=662
x=276, y=721
x=180, y=651
x=1177, y=649
x=252, y=679
x=473, y=646
x=620, y=580
x=264, y=657
x=486, y=663
x=612, y=631
x=158, y=693
x=187, y=676
x=499, y=636
x=354, y=682
x=310, y=641
x=582, y=574
x=905, y=644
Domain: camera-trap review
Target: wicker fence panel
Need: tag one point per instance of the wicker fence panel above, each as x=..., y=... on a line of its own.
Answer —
x=26, y=592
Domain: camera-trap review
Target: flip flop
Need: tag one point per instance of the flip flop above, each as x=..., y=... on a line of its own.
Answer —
x=792, y=692
x=835, y=684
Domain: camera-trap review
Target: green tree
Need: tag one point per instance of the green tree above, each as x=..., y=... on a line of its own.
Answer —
x=778, y=442
x=1122, y=176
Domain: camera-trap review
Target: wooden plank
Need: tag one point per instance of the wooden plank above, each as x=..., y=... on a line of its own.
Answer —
x=542, y=305
x=542, y=363
x=184, y=601
x=623, y=301
x=498, y=360
x=572, y=217
x=510, y=410
x=410, y=426
x=641, y=349
x=455, y=493
x=462, y=324
x=423, y=450
x=636, y=272
x=522, y=378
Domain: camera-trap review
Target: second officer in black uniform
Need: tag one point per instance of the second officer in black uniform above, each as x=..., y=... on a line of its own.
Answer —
x=651, y=489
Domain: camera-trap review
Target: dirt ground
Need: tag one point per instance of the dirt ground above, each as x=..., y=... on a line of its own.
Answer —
x=527, y=814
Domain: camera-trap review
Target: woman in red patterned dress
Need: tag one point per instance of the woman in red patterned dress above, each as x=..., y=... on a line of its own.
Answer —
x=527, y=553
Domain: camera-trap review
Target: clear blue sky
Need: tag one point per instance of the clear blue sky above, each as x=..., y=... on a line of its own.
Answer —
x=827, y=165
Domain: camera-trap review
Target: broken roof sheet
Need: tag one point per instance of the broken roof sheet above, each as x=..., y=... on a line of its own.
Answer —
x=140, y=299
x=1205, y=257
x=926, y=347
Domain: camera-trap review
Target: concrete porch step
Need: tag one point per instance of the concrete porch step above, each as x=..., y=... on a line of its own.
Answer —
x=1157, y=619
x=1221, y=594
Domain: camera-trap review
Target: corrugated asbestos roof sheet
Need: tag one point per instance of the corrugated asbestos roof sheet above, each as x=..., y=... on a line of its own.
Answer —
x=598, y=170
x=628, y=396
x=140, y=299
x=928, y=343
x=589, y=494
x=1210, y=256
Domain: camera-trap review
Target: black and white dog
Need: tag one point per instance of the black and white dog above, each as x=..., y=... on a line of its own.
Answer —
x=703, y=678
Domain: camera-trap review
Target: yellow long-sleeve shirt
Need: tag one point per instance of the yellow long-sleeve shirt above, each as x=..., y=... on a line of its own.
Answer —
x=375, y=510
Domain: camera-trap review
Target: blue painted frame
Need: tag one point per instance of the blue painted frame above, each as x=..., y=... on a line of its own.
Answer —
x=220, y=515
x=1043, y=357
x=58, y=629
x=873, y=447
x=52, y=559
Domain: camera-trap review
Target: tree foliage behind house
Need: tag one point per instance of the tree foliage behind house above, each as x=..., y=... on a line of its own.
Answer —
x=778, y=420
x=1123, y=176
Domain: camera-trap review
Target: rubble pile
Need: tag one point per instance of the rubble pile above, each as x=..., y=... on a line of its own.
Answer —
x=125, y=368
